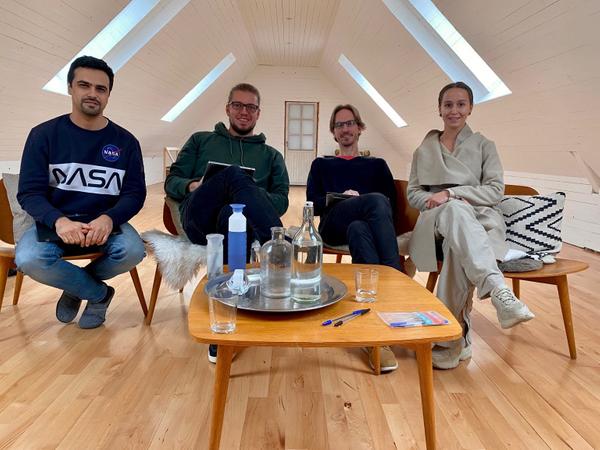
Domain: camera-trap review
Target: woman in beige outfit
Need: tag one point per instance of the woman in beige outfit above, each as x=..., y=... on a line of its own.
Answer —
x=456, y=181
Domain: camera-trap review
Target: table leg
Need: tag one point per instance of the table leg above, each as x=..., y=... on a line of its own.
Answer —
x=377, y=360
x=225, y=354
x=565, y=306
x=426, y=384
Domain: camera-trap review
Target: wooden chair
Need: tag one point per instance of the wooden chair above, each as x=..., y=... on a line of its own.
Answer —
x=7, y=255
x=555, y=274
x=171, y=228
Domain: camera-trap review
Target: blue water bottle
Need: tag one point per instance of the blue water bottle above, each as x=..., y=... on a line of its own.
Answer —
x=236, y=239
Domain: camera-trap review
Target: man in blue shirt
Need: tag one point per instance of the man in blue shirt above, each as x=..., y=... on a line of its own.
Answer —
x=82, y=179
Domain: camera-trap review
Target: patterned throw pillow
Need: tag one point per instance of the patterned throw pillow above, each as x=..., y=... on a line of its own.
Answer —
x=533, y=222
x=21, y=220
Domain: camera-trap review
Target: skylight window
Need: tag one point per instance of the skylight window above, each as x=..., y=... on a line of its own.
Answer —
x=371, y=91
x=123, y=37
x=197, y=90
x=447, y=47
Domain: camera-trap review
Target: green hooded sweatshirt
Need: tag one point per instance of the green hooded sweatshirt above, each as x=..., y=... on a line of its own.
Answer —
x=220, y=146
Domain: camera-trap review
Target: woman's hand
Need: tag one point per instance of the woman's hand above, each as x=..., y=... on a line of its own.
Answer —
x=437, y=199
x=351, y=192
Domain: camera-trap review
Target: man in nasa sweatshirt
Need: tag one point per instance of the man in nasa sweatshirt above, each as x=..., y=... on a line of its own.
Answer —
x=82, y=179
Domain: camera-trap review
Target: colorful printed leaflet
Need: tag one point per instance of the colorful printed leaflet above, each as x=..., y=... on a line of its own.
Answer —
x=412, y=319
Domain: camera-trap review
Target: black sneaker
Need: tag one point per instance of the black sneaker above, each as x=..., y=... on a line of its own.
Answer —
x=212, y=353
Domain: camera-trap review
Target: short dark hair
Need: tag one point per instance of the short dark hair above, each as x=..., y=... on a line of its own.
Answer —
x=245, y=87
x=353, y=110
x=90, y=62
x=459, y=85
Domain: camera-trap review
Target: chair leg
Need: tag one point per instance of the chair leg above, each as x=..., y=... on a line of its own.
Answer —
x=154, y=295
x=338, y=258
x=431, y=281
x=18, y=284
x=516, y=287
x=138, y=289
x=565, y=306
x=4, y=266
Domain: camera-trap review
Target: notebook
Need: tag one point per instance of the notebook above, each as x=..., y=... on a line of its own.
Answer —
x=213, y=167
x=333, y=198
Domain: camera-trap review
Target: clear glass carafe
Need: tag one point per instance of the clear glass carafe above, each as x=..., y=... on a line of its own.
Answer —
x=276, y=265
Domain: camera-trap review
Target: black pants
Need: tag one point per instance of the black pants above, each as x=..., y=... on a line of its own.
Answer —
x=207, y=208
x=365, y=223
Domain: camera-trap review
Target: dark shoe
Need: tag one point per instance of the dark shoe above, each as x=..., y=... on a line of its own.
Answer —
x=67, y=307
x=12, y=272
x=94, y=314
x=212, y=353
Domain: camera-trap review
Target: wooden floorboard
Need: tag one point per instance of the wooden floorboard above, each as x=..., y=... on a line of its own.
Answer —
x=126, y=385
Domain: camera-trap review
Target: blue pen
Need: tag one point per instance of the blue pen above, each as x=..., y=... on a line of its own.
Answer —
x=356, y=314
x=353, y=313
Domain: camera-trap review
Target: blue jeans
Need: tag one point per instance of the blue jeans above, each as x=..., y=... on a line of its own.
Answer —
x=366, y=224
x=43, y=262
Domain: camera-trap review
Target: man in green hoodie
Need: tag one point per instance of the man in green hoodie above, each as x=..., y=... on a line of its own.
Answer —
x=205, y=205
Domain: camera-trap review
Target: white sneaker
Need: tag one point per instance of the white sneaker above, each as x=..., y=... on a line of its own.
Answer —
x=510, y=309
x=449, y=358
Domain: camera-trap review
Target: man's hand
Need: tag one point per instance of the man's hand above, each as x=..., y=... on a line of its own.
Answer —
x=71, y=232
x=351, y=192
x=194, y=185
x=437, y=199
x=98, y=231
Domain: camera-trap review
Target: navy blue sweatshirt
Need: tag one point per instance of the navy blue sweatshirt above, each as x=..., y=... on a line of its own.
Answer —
x=69, y=171
x=362, y=174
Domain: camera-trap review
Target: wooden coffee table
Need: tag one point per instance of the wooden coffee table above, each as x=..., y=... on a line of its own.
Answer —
x=396, y=292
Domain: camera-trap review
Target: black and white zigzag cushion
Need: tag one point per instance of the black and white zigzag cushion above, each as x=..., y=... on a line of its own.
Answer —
x=533, y=221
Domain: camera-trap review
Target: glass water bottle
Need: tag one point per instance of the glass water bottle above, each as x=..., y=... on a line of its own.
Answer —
x=276, y=265
x=308, y=259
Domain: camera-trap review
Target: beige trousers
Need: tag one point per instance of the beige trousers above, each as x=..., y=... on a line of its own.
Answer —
x=469, y=261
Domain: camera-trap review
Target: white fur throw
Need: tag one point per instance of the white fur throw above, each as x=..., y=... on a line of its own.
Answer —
x=177, y=258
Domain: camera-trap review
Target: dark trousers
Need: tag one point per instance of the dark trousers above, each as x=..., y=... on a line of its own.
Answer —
x=207, y=208
x=365, y=223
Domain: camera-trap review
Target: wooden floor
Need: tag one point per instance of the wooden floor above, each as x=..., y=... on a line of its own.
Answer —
x=126, y=385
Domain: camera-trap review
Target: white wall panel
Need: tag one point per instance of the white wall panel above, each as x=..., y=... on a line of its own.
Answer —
x=278, y=84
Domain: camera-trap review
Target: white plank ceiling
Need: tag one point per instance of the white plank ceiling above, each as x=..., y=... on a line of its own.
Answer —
x=545, y=50
x=289, y=33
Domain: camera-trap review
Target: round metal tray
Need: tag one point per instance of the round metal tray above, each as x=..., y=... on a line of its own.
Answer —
x=332, y=291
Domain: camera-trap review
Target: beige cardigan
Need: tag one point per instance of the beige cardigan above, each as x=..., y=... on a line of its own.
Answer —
x=472, y=171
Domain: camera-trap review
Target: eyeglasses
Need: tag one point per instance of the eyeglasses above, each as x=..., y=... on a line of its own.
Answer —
x=238, y=106
x=347, y=123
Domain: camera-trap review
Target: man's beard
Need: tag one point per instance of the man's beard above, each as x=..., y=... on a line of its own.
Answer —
x=344, y=139
x=241, y=131
x=91, y=111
